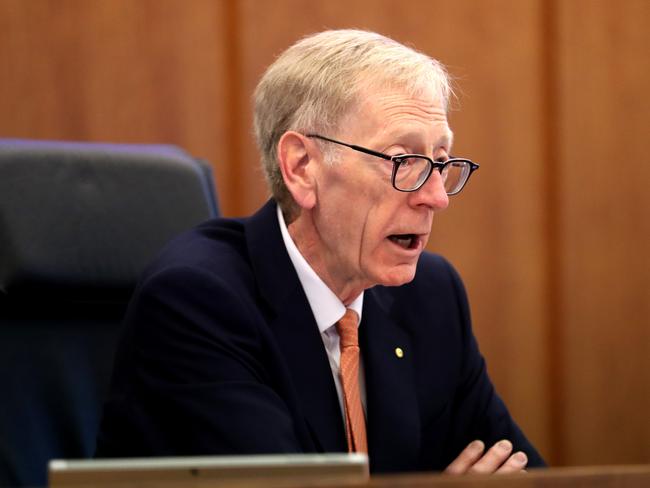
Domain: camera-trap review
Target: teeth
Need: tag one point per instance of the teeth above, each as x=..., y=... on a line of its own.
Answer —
x=403, y=240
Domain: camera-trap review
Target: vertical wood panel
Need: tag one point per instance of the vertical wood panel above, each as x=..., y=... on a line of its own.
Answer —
x=124, y=71
x=605, y=229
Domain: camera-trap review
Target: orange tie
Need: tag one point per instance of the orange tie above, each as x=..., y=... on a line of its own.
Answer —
x=355, y=421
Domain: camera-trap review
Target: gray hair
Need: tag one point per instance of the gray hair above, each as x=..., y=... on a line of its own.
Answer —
x=314, y=83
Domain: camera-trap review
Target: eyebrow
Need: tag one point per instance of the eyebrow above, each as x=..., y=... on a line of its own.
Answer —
x=445, y=140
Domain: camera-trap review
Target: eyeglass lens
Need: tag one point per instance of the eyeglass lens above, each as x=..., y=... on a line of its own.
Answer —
x=413, y=171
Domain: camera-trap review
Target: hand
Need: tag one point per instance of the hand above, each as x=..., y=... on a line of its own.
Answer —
x=496, y=460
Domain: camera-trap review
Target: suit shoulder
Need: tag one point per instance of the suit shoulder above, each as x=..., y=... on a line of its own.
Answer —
x=216, y=247
x=436, y=289
x=435, y=281
x=435, y=270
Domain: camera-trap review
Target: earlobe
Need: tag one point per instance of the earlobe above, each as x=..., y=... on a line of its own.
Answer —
x=296, y=160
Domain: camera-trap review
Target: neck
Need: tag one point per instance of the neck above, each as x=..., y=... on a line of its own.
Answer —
x=312, y=247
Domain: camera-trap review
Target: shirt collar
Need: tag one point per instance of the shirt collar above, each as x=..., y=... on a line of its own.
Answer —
x=325, y=305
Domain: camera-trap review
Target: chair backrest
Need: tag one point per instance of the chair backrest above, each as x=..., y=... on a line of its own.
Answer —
x=78, y=222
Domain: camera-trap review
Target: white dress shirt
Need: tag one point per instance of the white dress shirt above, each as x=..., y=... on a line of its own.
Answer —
x=327, y=310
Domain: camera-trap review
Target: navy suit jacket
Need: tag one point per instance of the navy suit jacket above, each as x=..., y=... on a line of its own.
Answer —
x=222, y=355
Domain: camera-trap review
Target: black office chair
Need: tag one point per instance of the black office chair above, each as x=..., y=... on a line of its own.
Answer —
x=78, y=222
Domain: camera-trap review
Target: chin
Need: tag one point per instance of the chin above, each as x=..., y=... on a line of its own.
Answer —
x=397, y=276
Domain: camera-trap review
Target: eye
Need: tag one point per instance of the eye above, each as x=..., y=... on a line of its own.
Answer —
x=401, y=159
x=443, y=155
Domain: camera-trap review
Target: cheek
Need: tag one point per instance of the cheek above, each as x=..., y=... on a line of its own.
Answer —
x=378, y=259
x=344, y=224
x=359, y=212
x=359, y=215
x=375, y=249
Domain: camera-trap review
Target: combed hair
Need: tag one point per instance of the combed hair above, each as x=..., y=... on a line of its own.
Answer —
x=318, y=80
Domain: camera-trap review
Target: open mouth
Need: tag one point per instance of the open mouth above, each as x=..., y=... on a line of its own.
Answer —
x=405, y=241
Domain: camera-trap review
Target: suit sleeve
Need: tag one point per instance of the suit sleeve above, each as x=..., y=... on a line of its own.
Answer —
x=193, y=376
x=478, y=411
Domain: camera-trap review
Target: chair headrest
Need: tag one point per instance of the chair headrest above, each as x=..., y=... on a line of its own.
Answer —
x=81, y=220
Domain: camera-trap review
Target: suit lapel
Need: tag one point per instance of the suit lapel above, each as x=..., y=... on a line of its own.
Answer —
x=295, y=328
x=305, y=354
x=393, y=416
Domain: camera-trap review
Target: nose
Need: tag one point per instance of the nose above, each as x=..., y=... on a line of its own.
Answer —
x=432, y=194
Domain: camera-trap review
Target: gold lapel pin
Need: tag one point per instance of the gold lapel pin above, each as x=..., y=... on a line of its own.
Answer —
x=399, y=353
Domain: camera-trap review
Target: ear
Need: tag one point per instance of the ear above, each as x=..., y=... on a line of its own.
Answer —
x=296, y=156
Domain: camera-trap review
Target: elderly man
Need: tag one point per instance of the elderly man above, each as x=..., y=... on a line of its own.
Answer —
x=319, y=324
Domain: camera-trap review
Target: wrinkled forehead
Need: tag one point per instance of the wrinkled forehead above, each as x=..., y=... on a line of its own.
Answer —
x=394, y=109
x=364, y=91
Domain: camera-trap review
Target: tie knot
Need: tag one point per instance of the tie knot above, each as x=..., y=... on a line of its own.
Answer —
x=348, y=329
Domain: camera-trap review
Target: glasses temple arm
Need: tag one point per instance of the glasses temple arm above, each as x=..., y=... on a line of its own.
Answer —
x=353, y=146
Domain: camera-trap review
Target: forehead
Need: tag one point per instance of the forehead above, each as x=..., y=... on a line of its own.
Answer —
x=394, y=115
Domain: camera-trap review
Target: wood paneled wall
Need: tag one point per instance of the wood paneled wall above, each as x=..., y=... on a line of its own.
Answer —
x=552, y=235
x=603, y=230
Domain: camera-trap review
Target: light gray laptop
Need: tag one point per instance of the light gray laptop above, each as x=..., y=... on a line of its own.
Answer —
x=214, y=471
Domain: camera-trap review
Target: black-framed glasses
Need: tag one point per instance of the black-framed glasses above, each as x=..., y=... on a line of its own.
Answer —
x=411, y=171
